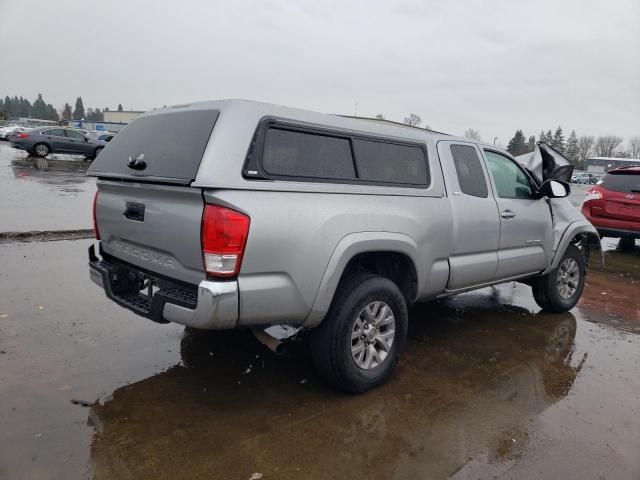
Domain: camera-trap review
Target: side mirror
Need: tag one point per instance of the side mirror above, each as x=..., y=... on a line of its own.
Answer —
x=554, y=189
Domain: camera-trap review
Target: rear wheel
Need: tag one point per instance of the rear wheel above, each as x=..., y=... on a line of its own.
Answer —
x=95, y=154
x=41, y=150
x=627, y=244
x=560, y=289
x=356, y=347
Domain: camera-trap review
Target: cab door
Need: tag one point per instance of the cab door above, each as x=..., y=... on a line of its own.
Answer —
x=473, y=257
x=526, y=230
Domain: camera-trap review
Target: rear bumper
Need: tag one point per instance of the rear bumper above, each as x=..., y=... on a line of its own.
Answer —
x=20, y=146
x=611, y=227
x=618, y=233
x=209, y=306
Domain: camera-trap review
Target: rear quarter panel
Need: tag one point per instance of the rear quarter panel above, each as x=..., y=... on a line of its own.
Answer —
x=293, y=237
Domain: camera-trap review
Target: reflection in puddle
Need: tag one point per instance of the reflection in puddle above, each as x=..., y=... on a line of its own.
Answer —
x=469, y=383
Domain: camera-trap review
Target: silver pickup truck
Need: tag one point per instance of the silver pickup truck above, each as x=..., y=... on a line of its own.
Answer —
x=237, y=214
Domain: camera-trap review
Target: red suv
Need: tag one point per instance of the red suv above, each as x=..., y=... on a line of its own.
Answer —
x=613, y=205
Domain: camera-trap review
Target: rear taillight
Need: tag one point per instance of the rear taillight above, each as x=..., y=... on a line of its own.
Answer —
x=224, y=236
x=22, y=135
x=96, y=233
x=593, y=194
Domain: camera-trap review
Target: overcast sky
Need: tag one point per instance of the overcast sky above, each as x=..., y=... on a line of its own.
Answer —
x=490, y=65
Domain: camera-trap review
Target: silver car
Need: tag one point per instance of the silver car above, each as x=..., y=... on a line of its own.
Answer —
x=237, y=214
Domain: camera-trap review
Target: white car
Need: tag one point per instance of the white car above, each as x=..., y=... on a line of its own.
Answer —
x=10, y=130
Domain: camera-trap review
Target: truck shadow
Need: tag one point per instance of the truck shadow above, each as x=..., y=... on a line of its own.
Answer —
x=474, y=374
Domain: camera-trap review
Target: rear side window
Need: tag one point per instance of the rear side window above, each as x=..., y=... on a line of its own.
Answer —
x=302, y=153
x=622, y=182
x=386, y=162
x=55, y=132
x=299, y=154
x=171, y=144
x=469, y=169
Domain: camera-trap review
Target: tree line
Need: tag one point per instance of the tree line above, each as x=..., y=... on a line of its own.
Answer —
x=20, y=107
x=576, y=148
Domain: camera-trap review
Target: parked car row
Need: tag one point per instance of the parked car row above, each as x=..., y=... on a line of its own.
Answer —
x=10, y=130
x=584, y=178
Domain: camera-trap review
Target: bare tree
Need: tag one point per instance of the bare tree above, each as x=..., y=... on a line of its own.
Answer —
x=634, y=143
x=473, y=134
x=413, y=120
x=607, y=146
x=585, y=149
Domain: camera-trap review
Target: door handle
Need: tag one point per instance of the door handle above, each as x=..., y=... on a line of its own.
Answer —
x=508, y=214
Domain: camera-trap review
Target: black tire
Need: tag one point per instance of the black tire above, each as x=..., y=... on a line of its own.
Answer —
x=95, y=154
x=41, y=150
x=627, y=244
x=331, y=342
x=548, y=290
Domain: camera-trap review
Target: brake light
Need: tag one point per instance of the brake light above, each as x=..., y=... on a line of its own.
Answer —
x=96, y=233
x=224, y=235
x=593, y=194
x=22, y=135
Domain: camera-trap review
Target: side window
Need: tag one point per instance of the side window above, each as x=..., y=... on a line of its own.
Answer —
x=75, y=135
x=510, y=179
x=299, y=154
x=54, y=132
x=469, y=169
x=390, y=162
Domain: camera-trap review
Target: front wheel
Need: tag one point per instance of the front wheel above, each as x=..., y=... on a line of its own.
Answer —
x=560, y=289
x=356, y=347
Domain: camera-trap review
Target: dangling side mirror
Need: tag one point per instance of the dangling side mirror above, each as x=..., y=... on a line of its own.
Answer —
x=554, y=189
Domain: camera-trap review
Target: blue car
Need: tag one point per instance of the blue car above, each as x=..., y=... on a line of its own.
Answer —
x=42, y=141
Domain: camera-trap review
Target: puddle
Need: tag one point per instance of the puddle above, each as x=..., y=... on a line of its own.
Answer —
x=487, y=387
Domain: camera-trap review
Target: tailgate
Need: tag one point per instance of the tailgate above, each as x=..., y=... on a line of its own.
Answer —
x=156, y=227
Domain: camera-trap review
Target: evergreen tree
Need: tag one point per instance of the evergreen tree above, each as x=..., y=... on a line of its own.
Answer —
x=23, y=107
x=518, y=144
x=542, y=137
x=78, y=113
x=119, y=107
x=66, y=112
x=39, y=109
x=548, y=137
x=88, y=116
x=8, y=107
x=557, y=141
x=52, y=113
x=531, y=144
x=572, y=150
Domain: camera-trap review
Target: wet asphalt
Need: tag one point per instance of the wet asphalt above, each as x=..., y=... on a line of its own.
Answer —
x=488, y=386
x=36, y=194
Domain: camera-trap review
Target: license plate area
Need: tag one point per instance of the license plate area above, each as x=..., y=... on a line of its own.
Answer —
x=623, y=210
